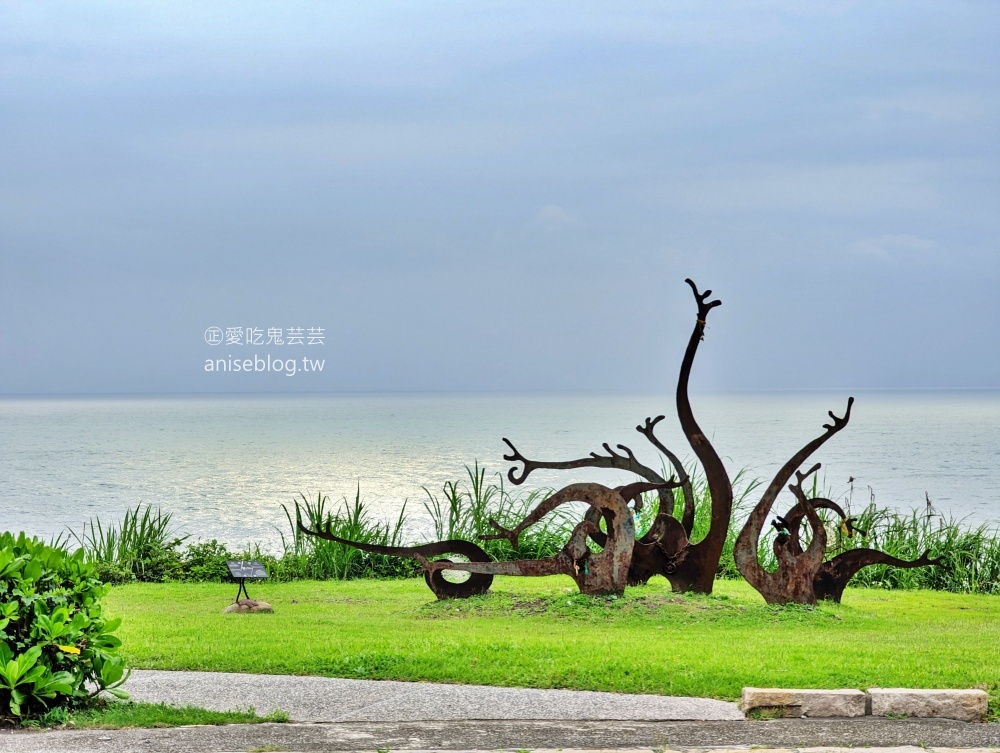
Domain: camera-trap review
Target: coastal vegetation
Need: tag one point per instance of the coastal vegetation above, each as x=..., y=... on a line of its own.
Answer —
x=540, y=632
x=699, y=528
x=331, y=619
x=143, y=547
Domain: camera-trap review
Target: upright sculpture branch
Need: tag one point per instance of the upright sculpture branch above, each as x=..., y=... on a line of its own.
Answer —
x=697, y=572
x=666, y=548
x=745, y=549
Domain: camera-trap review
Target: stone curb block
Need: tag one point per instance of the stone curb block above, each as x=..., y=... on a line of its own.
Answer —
x=810, y=703
x=963, y=705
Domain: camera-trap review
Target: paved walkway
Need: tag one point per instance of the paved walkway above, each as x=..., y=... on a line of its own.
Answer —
x=474, y=737
x=324, y=699
x=358, y=715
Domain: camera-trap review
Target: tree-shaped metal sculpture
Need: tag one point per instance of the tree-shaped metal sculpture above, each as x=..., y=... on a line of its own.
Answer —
x=803, y=576
x=666, y=548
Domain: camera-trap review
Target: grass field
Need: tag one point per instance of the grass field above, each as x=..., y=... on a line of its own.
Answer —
x=540, y=632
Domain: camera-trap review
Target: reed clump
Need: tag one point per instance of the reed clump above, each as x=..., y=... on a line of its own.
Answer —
x=143, y=546
x=318, y=559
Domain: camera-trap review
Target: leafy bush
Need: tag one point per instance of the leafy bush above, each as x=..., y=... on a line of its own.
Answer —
x=112, y=573
x=206, y=561
x=56, y=647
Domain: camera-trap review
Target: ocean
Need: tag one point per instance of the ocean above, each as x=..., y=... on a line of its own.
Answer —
x=224, y=465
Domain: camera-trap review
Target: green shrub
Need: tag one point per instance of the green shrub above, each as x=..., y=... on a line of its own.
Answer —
x=112, y=573
x=205, y=561
x=56, y=647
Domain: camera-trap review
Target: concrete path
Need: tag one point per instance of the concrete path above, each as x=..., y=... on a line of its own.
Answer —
x=324, y=699
x=478, y=737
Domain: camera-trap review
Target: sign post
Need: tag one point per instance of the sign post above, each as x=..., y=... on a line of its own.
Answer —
x=243, y=570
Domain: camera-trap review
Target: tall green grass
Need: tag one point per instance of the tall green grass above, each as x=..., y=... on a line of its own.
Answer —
x=464, y=508
x=142, y=545
x=312, y=557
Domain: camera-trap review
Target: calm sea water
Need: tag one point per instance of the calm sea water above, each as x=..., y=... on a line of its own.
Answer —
x=224, y=465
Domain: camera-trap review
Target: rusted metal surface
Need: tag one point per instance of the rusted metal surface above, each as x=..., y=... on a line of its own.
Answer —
x=833, y=575
x=805, y=576
x=603, y=572
x=792, y=582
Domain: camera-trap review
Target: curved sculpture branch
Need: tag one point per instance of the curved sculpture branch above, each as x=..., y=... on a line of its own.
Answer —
x=833, y=576
x=623, y=462
x=745, y=549
x=687, y=516
x=444, y=589
x=701, y=562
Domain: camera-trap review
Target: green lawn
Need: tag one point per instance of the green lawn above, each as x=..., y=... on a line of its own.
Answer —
x=539, y=632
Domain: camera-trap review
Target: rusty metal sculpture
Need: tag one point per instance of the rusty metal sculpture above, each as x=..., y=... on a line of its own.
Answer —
x=804, y=576
x=666, y=548
x=477, y=583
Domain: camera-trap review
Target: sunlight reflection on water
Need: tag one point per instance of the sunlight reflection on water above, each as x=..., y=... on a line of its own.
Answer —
x=223, y=465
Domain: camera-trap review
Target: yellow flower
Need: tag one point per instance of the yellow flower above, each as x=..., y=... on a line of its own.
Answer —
x=68, y=649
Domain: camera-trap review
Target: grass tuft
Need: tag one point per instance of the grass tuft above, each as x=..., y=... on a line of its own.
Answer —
x=126, y=715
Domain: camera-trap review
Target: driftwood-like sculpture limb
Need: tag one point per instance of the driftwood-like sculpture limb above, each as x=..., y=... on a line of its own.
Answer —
x=833, y=575
x=477, y=583
x=803, y=577
x=697, y=571
x=603, y=572
x=793, y=580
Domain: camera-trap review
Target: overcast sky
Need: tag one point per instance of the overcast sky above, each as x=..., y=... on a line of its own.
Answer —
x=478, y=196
